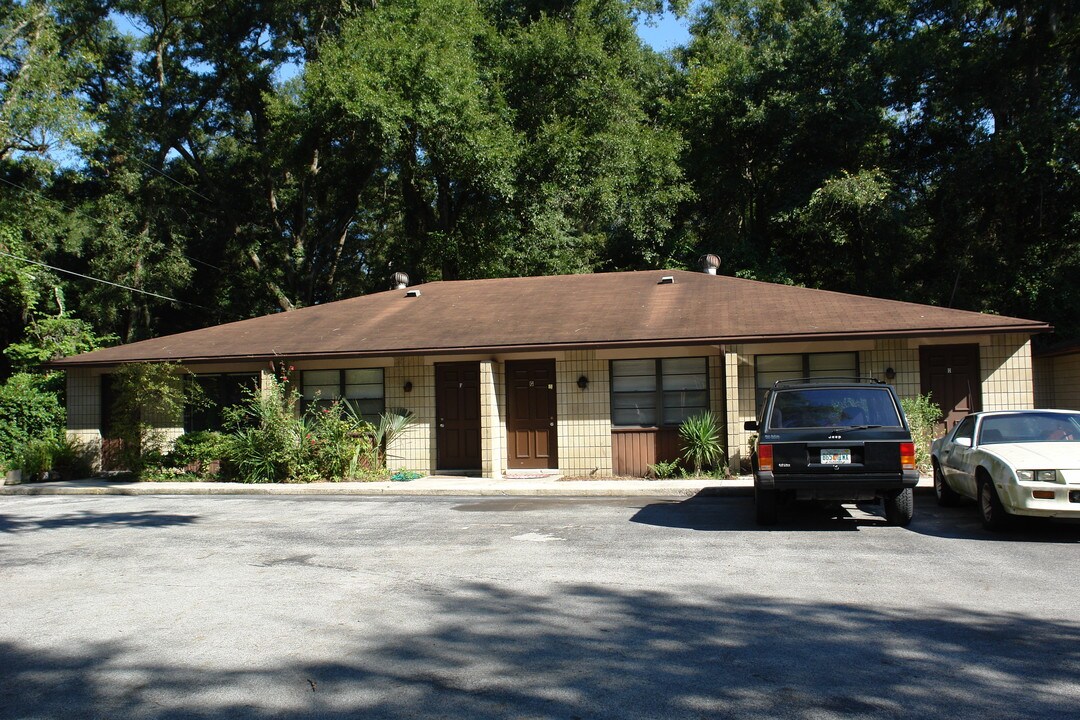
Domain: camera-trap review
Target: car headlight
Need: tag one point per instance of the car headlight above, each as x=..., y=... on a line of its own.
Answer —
x=1039, y=475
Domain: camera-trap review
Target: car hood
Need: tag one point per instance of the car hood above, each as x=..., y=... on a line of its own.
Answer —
x=1038, y=455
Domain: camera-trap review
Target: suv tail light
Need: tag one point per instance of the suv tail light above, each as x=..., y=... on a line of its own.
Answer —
x=907, y=455
x=764, y=457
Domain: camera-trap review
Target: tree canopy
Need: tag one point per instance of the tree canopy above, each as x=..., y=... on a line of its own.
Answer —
x=215, y=161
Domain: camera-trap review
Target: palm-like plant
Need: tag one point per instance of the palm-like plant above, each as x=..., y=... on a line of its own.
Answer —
x=701, y=440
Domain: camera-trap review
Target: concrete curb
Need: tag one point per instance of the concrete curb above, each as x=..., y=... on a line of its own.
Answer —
x=491, y=489
x=428, y=486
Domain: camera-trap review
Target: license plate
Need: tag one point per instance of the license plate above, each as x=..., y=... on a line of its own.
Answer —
x=831, y=456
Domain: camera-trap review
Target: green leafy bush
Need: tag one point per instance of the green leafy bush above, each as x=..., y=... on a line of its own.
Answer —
x=203, y=446
x=272, y=441
x=663, y=470
x=700, y=436
x=148, y=394
x=28, y=412
x=39, y=456
x=923, y=415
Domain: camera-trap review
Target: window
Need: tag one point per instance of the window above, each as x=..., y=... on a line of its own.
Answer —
x=363, y=388
x=966, y=429
x=222, y=391
x=770, y=368
x=649, y=393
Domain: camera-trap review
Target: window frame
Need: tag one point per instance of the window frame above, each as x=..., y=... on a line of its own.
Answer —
x=657, y=392
x=190, y=413
x=342, y=384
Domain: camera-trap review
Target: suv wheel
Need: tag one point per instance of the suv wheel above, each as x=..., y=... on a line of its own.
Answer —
x=900, y=507
x=765, y=506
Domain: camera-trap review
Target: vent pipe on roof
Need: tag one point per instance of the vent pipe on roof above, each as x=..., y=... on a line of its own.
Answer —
x=709, y=263
x=666, y=280
x=399, y=281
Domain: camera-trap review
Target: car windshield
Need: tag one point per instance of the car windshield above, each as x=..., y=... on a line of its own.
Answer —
x=1030, y=427
x=834, y=408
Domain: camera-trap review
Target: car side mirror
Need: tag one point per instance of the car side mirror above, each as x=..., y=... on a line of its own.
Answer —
x=750, y=425
x=965, y=441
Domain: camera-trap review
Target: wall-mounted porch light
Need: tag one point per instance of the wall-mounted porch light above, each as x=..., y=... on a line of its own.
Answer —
x=583, y=382
x=890, y=374
x=408, y=386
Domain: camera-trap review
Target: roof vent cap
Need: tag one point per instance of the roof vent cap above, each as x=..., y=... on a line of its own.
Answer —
x=399, y=281
x=709, y=263
x=667, y=280
x=415, y=292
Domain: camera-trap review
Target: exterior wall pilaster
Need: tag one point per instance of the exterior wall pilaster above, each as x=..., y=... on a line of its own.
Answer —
x=1007, y=373
x=492, y=426
x=415, y=449
x=584, y=415
x=84, y=413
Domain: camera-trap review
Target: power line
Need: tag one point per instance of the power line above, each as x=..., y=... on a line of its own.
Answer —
x=105, y=282
x=166, y=175
x=89, y=217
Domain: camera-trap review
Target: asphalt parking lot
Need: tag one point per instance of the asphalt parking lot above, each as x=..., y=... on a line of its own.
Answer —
x=270, y=607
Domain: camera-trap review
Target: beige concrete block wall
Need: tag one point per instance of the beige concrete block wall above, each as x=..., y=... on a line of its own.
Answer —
x=1042, y=370
x=1007, y=373
x=492, y=413
x=166, y=426
x=84, y=412
x=584, y=415
x=415, y=450
x=898, y=355
x=1058, y=382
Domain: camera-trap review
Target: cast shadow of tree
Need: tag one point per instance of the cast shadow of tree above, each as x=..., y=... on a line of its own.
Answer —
x=88, y=519
x=590, y=651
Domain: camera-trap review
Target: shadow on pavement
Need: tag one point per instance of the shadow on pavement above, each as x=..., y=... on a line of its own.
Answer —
x=9, y=524
x=707, y=512
x=586, y=651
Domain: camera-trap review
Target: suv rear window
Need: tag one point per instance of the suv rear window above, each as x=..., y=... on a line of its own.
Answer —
x=833, y=408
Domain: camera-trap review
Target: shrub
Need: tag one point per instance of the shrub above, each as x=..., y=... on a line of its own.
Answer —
x=198, y=449
x=146, y=394
x=923, y=415
x=272, y=442
x=40, y=455
x=28, y=412
x=663, y=470
x=701, y=441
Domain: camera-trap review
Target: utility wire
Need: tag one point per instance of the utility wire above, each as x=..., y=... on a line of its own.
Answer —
x=167, y=176
x=89, y=217
x=105, y=282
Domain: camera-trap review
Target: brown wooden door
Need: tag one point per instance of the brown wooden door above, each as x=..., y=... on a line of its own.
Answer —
x=951, y=374
x=457, y=410
x=530, y=414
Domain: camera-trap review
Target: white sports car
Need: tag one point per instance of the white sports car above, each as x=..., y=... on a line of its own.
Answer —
x=1023, y=462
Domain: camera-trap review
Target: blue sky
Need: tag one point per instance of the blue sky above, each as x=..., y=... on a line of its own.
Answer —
x=666, y=33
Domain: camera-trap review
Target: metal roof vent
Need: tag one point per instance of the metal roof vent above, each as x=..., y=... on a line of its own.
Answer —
x=399, y=281
x=415, y=292
x=667, y=280
x=709, y=263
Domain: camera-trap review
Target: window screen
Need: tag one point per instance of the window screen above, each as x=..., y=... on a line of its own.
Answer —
x=363, y=388
x=648, y=393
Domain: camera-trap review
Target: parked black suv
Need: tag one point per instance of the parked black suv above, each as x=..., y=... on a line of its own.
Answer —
x=833, y=439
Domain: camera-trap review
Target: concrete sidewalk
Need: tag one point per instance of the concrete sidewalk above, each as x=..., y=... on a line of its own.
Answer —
x=443, y=485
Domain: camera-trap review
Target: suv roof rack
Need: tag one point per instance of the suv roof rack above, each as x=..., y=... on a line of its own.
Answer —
x=828, y=379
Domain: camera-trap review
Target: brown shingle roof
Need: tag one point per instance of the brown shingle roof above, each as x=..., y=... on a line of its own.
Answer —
x=565, y=311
